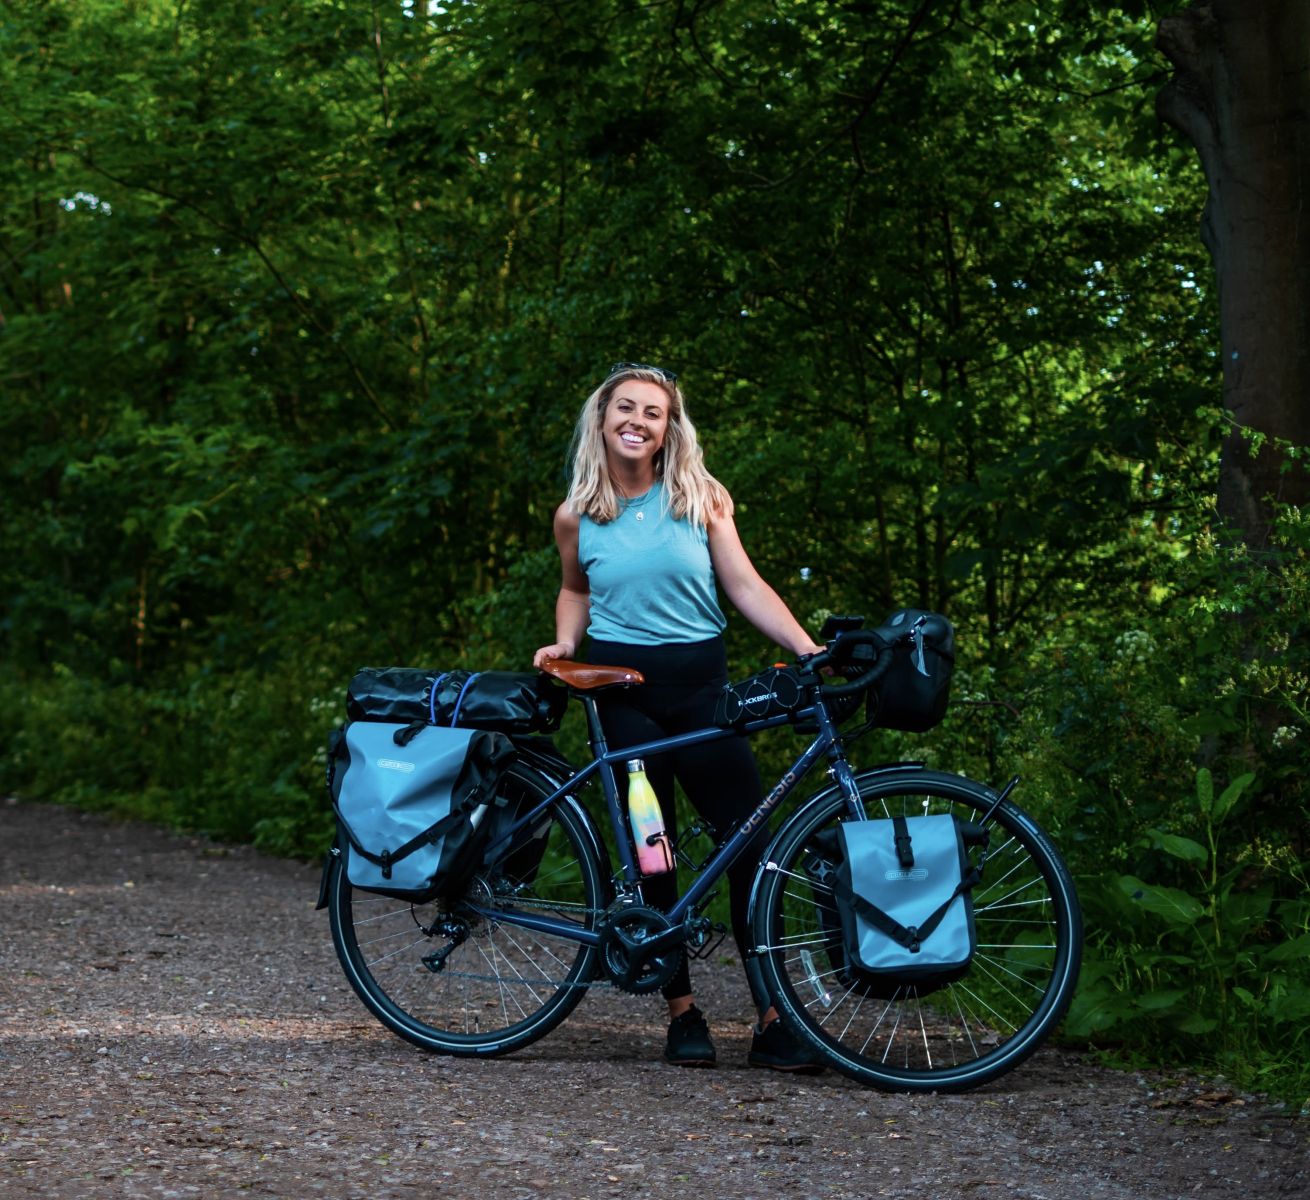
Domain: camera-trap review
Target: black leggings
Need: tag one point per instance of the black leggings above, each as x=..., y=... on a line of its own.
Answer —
x=720, y=778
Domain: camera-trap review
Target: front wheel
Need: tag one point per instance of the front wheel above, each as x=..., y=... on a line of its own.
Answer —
x=966, y=1032
x=456, y=979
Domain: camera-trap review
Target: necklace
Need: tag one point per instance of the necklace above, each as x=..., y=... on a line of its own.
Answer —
x=637, y=504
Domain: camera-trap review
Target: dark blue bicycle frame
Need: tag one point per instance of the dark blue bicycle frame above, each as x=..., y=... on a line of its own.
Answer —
x=826, y=742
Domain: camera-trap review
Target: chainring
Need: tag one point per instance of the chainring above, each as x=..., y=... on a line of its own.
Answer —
x=622, y=933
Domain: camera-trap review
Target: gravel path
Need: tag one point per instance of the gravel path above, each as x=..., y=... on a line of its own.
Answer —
x=173, y=1022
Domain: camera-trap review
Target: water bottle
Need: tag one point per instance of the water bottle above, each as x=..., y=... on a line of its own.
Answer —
x=654, y=856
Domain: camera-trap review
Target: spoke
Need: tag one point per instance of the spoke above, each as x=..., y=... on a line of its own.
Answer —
x=1016, y=945
x=372, y=962
x=407, y=932
x=999, y=965
x=1000, y=901
x=792, y=940
x=832, y=973
x=541, y=947
x=811, y=900
x=385, y=916
x=502, y=990
x=891, y=1037
x=807, y=879
x=923, y=1033
x=855, y=1012
x=995, y=881
x=964, y=1023
x=1039, y=902
x=1002, y=1020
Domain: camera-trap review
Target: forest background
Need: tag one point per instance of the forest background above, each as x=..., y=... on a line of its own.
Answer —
x=299, y=301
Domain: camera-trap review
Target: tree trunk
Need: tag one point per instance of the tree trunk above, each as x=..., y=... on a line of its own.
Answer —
x=1241, y=95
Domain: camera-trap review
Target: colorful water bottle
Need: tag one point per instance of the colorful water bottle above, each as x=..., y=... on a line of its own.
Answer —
x=654, y=855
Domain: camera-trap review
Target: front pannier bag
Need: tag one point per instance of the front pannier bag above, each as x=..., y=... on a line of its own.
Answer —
x=903, y=896
x=513, y=702
x=410, y=803
x=915, y=690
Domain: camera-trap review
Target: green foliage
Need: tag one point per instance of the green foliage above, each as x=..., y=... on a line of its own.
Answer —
x=1213, y=963
x=237, y=756
x=298, y=303
x=1194, y=891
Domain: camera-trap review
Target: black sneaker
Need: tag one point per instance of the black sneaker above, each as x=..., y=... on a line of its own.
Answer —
x=689, y=1042
x=775, y=1047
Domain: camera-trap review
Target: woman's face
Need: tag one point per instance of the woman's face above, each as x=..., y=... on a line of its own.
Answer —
x=635, y=422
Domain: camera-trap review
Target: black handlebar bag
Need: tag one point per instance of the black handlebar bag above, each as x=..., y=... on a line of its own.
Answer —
x=914, y=693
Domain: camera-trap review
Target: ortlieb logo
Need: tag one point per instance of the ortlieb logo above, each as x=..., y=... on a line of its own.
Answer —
x=395, y=764
x=896, y=875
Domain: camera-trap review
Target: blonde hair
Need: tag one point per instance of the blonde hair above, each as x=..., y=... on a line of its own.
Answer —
x=690, y=491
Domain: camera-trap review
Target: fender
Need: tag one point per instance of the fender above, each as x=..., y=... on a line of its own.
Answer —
x=550, y=779
x=541, y=753
x=324, y=880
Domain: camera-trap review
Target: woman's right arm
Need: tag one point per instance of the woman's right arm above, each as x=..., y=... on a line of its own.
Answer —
x=573, y=604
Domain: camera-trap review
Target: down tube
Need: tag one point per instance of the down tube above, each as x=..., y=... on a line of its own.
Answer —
x=727, y=854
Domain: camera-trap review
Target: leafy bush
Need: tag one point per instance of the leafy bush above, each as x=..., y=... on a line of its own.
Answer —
x=236, y=757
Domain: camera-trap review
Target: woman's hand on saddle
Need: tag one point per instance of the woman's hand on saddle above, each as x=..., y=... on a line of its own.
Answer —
x=554, y=650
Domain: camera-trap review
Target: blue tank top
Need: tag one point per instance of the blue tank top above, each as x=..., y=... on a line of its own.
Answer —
x=650, y=576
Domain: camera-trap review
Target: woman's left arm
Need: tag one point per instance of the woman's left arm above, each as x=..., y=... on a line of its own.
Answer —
x=753, y=598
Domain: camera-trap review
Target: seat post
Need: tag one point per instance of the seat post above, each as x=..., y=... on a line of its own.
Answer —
x=595, y=734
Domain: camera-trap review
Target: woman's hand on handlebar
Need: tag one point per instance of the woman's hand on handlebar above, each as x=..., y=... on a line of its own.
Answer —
x=837, y=654
x=806, y=657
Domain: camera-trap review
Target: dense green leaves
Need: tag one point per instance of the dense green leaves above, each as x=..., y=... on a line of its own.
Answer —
x=298, y=303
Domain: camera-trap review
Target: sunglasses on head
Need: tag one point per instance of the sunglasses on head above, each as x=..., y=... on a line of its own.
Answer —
x=667, y=376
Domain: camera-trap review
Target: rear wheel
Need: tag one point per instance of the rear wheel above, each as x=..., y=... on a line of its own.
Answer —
x=458, y=981
x=901, y=1038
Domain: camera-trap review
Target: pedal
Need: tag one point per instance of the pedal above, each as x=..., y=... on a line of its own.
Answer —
x=704, y=937
x=691, y=833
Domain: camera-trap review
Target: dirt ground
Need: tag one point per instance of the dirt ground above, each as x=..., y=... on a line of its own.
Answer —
x=173, y=1023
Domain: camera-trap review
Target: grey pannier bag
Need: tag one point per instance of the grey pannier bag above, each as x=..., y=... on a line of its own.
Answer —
x=410, y=802
x=903, y=893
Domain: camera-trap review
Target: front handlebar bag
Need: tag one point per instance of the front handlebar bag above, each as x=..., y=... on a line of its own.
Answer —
x=915, y=691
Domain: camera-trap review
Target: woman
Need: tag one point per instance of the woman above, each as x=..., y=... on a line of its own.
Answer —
x=644, y=535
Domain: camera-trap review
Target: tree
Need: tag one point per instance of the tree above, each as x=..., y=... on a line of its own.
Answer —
x=1241, y=95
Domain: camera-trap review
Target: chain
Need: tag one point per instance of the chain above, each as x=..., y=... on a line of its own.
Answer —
x=573, y=985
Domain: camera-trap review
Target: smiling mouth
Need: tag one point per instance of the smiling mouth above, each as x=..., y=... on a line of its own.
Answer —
x=632, y=439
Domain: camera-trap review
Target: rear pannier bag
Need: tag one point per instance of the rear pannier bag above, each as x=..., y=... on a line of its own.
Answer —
x=513, y=702
x=913, y=693
x=767, y=694
x=903, y=897
x=411, y=804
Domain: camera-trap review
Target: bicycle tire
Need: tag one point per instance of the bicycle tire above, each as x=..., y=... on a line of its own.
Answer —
x=966, y=1033
x=500, y=986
